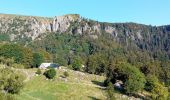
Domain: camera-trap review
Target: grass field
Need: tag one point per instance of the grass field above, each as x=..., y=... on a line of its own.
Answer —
x=78, y=86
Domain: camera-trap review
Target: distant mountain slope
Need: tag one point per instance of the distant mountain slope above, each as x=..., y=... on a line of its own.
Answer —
x=27, y=28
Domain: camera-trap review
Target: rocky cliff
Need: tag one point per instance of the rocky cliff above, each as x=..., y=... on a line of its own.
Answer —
x=33, y=27
x=28, y=28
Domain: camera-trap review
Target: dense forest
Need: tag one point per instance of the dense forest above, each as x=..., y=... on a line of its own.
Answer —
x=138, y=68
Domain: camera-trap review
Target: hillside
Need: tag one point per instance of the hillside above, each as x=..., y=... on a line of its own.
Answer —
x=24, y=29
x=77, y=86
x=136, y=55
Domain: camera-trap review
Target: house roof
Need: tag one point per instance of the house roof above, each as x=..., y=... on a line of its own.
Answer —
x=45, y=65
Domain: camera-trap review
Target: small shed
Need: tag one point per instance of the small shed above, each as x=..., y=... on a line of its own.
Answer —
x=46, y=65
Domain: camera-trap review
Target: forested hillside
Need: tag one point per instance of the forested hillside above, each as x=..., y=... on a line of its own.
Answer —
x=136, y=54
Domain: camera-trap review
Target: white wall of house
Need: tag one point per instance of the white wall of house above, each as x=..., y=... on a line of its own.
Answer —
x=46, y=65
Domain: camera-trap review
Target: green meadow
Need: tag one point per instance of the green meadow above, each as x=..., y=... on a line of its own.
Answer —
x=78, y=86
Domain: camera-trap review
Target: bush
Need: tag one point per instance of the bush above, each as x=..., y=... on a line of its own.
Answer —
x=50, y=74
x=38, y=71
x=66, y=74
x=12, y=82
x=37, y=59
x=4, y=96
x=134, y=81
x=7, y=61
x=158, y=90
x=76, y=64
x=110, y=92
x=17, y=65
x=96, y=63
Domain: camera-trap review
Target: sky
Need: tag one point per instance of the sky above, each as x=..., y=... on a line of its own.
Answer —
x=150, y=12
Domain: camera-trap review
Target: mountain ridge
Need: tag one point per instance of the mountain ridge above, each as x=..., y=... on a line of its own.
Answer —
x=57, y=24
x=51, y=17
x=29, y=28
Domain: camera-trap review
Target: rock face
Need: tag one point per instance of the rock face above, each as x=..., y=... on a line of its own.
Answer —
x=62, y=23
x=27, y=28
x=22, y=26
x=33, y=27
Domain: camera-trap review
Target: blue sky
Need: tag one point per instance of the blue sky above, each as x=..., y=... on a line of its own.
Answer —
x=154, y=12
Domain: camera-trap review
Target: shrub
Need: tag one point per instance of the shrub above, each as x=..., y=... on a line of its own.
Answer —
x=134, y=81
x=110, y=92
x=60, y=60
x=76, y=64
x=7, y=61
x=13, y=83
x=66, y=74
x=6, y=96
x=17, y=65
x=96, y=63
x=50, y=74
x=37, y=59
x=158, y=90
x=38, y=71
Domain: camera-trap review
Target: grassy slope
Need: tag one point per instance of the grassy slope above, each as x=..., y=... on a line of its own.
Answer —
x=77, y=87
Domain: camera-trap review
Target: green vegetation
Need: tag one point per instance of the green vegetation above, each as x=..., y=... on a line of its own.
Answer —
x=76, y=65
x=102, y=56
x=38, y=71
x=96, y=63
x=6, y=96
x=4, y=37
x=66, y=74
x=110, y=91
x=18, y=53
x=37, y=59
x=50, y=73
x=76, y=87
x=13, y=53
x=131, y=54
x=134, y=81
x=11, y=82
x=158, y=90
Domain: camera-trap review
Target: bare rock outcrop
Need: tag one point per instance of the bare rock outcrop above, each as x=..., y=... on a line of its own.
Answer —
x=31, y=28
